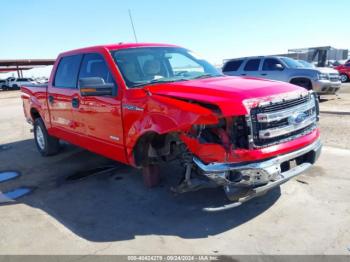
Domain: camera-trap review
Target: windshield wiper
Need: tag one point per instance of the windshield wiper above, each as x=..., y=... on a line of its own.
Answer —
x=159, y=81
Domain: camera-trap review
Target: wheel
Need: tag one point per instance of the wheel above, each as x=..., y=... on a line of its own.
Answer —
x=15, y=87
x=46, y=144
x=151, y=175
x=344, y=78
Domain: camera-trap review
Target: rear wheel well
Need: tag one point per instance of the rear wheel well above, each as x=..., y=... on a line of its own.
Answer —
x=303, y=82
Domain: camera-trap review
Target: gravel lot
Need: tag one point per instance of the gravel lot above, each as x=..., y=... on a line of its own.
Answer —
x=335, y=119
x=113, y=213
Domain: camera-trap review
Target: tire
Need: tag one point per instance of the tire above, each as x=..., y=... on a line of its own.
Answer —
x=344, y=78
x=15, y=87
x=47, y=145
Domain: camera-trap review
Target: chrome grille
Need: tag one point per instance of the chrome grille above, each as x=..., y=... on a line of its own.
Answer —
x=282, y=120
x=333, y=77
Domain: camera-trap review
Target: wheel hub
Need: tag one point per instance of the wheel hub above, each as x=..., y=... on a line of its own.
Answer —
x=40, y=138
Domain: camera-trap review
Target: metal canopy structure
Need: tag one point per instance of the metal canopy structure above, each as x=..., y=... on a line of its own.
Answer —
x=321, y=54
x=20, y=65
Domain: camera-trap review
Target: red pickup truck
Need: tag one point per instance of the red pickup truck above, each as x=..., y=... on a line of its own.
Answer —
x=144, y=104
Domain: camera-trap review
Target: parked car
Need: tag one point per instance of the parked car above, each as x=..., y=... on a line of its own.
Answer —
x=16, y=83
x=8, y=82
x=146, y=104
x=2, y=84
x=285, y=69
x=344, y=71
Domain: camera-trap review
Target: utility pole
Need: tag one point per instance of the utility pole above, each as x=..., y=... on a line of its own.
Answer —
x=132, y=25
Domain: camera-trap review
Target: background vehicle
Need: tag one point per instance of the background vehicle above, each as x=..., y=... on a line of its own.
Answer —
x=322, y=81
x=2, y=84
x=344, y=71
x=146, y=104
x=16, y=83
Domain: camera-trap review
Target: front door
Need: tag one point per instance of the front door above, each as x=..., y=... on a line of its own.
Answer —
x=101, y=115
x=272, y=69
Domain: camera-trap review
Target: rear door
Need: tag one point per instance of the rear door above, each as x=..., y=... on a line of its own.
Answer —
x=251, y=68
x=63, y=98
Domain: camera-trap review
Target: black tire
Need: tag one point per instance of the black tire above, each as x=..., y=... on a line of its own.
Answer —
x=47, y=145
x=344, y=78
x=15, y=87
x=303, y=82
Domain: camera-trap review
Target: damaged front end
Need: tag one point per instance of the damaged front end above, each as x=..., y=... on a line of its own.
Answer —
x=249, y=155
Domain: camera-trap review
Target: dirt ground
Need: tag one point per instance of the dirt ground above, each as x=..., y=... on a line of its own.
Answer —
x=112, y=213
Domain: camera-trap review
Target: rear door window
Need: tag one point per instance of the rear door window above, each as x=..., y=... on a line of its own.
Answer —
x=67, y=72
x=252, y=65
x=232, y=66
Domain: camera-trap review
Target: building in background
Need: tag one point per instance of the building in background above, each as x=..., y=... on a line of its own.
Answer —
x=321, y=56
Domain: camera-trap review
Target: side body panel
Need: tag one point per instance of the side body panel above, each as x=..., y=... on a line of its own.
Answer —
x=96, y=123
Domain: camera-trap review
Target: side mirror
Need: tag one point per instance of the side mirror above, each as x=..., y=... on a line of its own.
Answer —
x=279, y=67
x=95, y=86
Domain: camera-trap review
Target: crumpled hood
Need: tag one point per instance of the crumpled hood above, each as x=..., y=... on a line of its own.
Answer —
x=227, y=92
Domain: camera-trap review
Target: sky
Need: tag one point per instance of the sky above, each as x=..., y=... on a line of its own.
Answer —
x=216, y=29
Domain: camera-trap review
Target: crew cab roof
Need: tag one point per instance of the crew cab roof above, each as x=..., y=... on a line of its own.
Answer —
x=115, y=47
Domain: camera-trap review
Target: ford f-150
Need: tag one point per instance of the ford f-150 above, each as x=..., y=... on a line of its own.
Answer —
x=144, y=104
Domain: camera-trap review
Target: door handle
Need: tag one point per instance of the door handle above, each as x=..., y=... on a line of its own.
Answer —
x=51, y=99
x=75, y=102
x=264, y=74
x=243, y=74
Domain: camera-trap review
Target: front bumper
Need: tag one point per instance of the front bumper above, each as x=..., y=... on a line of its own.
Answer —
x=256, y=178
x=326, y=86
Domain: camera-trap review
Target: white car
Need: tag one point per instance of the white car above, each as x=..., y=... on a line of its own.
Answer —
x=16, y=83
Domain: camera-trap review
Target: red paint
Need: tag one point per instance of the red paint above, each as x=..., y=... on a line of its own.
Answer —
x=344, y=69
x=164, y=109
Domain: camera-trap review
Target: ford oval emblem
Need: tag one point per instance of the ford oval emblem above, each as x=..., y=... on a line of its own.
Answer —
x=297, y=118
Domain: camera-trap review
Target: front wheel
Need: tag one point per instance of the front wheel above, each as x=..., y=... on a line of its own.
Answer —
x=46, y=144
x=344, y=78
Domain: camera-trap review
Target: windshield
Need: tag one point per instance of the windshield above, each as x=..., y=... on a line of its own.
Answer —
x=152, y=65
x=292, y=63
x=306, y=64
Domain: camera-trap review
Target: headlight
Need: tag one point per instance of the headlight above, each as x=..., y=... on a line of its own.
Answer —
x=323, y=76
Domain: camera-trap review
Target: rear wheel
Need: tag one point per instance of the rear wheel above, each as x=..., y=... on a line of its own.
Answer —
x=344, y=78
x=46, y=144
